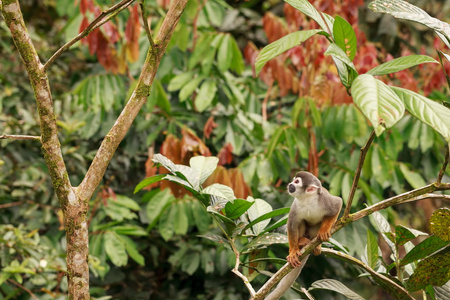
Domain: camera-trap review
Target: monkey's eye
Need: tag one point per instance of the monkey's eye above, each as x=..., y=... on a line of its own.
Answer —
x=296, y=181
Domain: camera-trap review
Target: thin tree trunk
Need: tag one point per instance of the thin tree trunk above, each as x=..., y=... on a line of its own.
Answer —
x=74, y=201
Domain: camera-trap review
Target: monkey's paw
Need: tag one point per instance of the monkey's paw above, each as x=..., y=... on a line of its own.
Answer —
x=324, y=235
x=293, y=259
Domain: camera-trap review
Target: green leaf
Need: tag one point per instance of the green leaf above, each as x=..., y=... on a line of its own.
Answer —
x=166, y=224
x=259, y=209
x=282, y=45
x=433, y=270
x=234, y=209
x=149, y=180
x=384, y=228
x=179, y=81
x=201, y=218
x=440, y=223
x=224, y=55
x=115, y=249
x=164, y=161
x=346, y=69
x=132, y=250
x=372, y=250
x=279, y=223
x=265, y=240
x=157, y=205
x=204, y=166
x=181, y=222
x=404, y=234
x=220, y=190
x=378, y=102
x=217, y=239
x=431, y=113
x=276, y=138
x=400, y=63
x=406, y=11
x=345, y=36
x=190, y=263
x=308, y=9
x=336, y=286
x=227, y=221
x=269, y=215
x=126, y=202
x=189, y=88
x=237, y=62
x=413, y=178
x=423, y=249
x=129, y=230
x=206, y=95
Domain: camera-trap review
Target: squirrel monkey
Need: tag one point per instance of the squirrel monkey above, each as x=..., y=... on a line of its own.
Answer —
x=312, y=214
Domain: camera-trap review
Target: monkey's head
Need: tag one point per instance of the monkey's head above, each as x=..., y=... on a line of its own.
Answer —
x=304, y=183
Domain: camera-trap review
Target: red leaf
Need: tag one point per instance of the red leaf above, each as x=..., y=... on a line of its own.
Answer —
x=93, y=41
x=209, y=127
x=132, y=32
x=225, y=156
x=83, y=6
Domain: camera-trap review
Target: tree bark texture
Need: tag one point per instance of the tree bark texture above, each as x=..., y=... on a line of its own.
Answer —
x=74, y=201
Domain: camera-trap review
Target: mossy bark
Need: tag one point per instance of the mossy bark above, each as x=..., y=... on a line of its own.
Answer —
x=74, y=201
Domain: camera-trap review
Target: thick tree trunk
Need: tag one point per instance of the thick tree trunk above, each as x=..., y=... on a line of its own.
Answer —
x=74, y=201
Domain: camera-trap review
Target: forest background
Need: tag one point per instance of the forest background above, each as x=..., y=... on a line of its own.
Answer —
x=205, y=100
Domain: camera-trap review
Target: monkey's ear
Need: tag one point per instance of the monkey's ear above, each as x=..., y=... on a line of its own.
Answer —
x=312, y=188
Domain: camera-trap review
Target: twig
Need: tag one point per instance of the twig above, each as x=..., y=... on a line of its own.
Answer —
x=146, y=25
x=444, y=166
x=237, y=272
x=362, y=157
x=396, y=289
x=20, y=137
x=195, y=20
x=23, y=288
x=99, y=21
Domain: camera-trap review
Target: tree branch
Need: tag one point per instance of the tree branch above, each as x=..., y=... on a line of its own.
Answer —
x=362, y=157
x=146, y=25
x=24, y=288
x=414, y=195
x=99, y=21
x=138, y=98
x=395, y=290
x=20, y=137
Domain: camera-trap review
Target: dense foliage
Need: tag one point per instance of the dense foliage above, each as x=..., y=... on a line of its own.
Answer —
x=206, y=101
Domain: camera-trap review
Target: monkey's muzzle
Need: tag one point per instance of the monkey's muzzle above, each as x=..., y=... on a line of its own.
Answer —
x=291, y=188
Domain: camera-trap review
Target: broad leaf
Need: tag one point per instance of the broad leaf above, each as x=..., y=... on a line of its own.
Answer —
x=156, y=206
x=206, y=95
x=431, y=113
x=336, y=286
x=308, y=9
x=346, y=69
x=345, y=37
x=259, y=209
x=403, y=10
x=400, y=63
x=433, y=270
x=423, y=249
x=440, y=223
x=265, y=240
x=282, y=45
x=372, y=250
x=384, y=228
x=132, y=250
x=404, y=234
x=269, y=215
x=378, y=102
x=147, y=181
x=217, y=239
x=220, y=190
x=204, y=166
x=413, y=178
x=234, y=209
x=115, y=249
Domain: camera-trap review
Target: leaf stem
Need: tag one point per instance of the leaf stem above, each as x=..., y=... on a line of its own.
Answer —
x=146, y=25
x=444, y=165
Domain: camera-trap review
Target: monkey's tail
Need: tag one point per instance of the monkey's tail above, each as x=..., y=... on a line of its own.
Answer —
x=286, y=282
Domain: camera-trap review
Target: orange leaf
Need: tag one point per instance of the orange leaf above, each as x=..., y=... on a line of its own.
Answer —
x=209, y=127
x=225, y=156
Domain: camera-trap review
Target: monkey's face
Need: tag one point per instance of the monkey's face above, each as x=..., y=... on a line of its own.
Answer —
x=295, y=188
x=304, y=184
